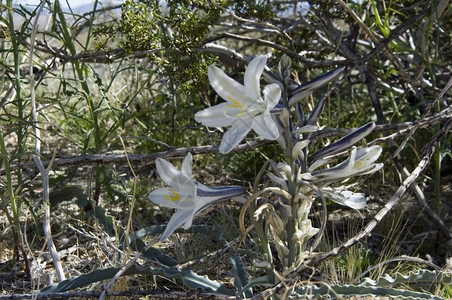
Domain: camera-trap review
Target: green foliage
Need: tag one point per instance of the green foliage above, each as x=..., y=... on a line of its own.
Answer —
x=262, y=10
x=246, y=166
x=168, y=266
x=334, y=291
x=139, y=24
x=420, y=278
x=187, y=277
x=173, y=40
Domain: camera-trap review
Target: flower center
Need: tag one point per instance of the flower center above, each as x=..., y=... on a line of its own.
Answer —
x=238, y=105
x=173, y=195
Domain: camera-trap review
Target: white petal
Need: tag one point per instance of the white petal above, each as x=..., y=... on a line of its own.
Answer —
x=265, y=126
x=367, y=155
x=219, y=115
x=368, y=169
x=162, y=196
x=167, y=171
x=272, y=95
x=253, y=75
x=189, y=219
x=340, y=171
x=226, y=87
x=179, y=217
x=234, y=135
x=186, y=165
x=306, y=129
x=316, y=164
x=347, y=198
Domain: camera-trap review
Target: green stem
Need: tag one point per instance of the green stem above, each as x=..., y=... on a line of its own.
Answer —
x=292, y=186
x=17, y=86
x=431, y=67
x=14, y=219
x=438, y=177
x=9, y=183
x=80, y=70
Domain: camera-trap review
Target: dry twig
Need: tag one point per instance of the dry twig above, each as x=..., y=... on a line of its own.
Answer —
x=37, y=158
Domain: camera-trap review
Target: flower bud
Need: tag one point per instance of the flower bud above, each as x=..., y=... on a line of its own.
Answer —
x=345, y=142
x=309, y=87
x=298, y=147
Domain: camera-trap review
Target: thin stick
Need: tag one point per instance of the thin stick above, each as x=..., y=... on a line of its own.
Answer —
x=173, y=153
x=36, y=157
x=132, y=203
x=416, y=126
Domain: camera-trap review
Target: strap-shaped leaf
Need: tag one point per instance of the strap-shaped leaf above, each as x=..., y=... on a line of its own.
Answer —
x=68, y=193
x=260, y=281
x=153, y=254
x=240, y=275
x=108, y=223
x=416, y=277
x=188, y=278
x=336, y=291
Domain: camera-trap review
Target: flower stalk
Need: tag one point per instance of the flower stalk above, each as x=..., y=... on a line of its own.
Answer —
x=279, y=211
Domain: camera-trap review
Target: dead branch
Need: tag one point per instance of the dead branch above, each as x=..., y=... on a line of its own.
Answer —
x=143, y=159
x=397, y=130
x=37, y=158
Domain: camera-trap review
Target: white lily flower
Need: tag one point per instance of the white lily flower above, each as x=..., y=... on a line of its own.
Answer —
x=360, y=162
x=186, y=195
x=244, y=108
x=346, y=198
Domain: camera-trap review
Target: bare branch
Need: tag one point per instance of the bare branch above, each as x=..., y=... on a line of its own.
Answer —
x=291, y=53
x=398, y=129
x=37, y=158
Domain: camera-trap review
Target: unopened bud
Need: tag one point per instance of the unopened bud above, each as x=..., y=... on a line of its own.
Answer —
x=345, y=142
x=298, y=147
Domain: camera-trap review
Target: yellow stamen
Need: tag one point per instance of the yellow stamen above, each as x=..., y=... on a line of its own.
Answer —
x=238, y=105
x=174, y=197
